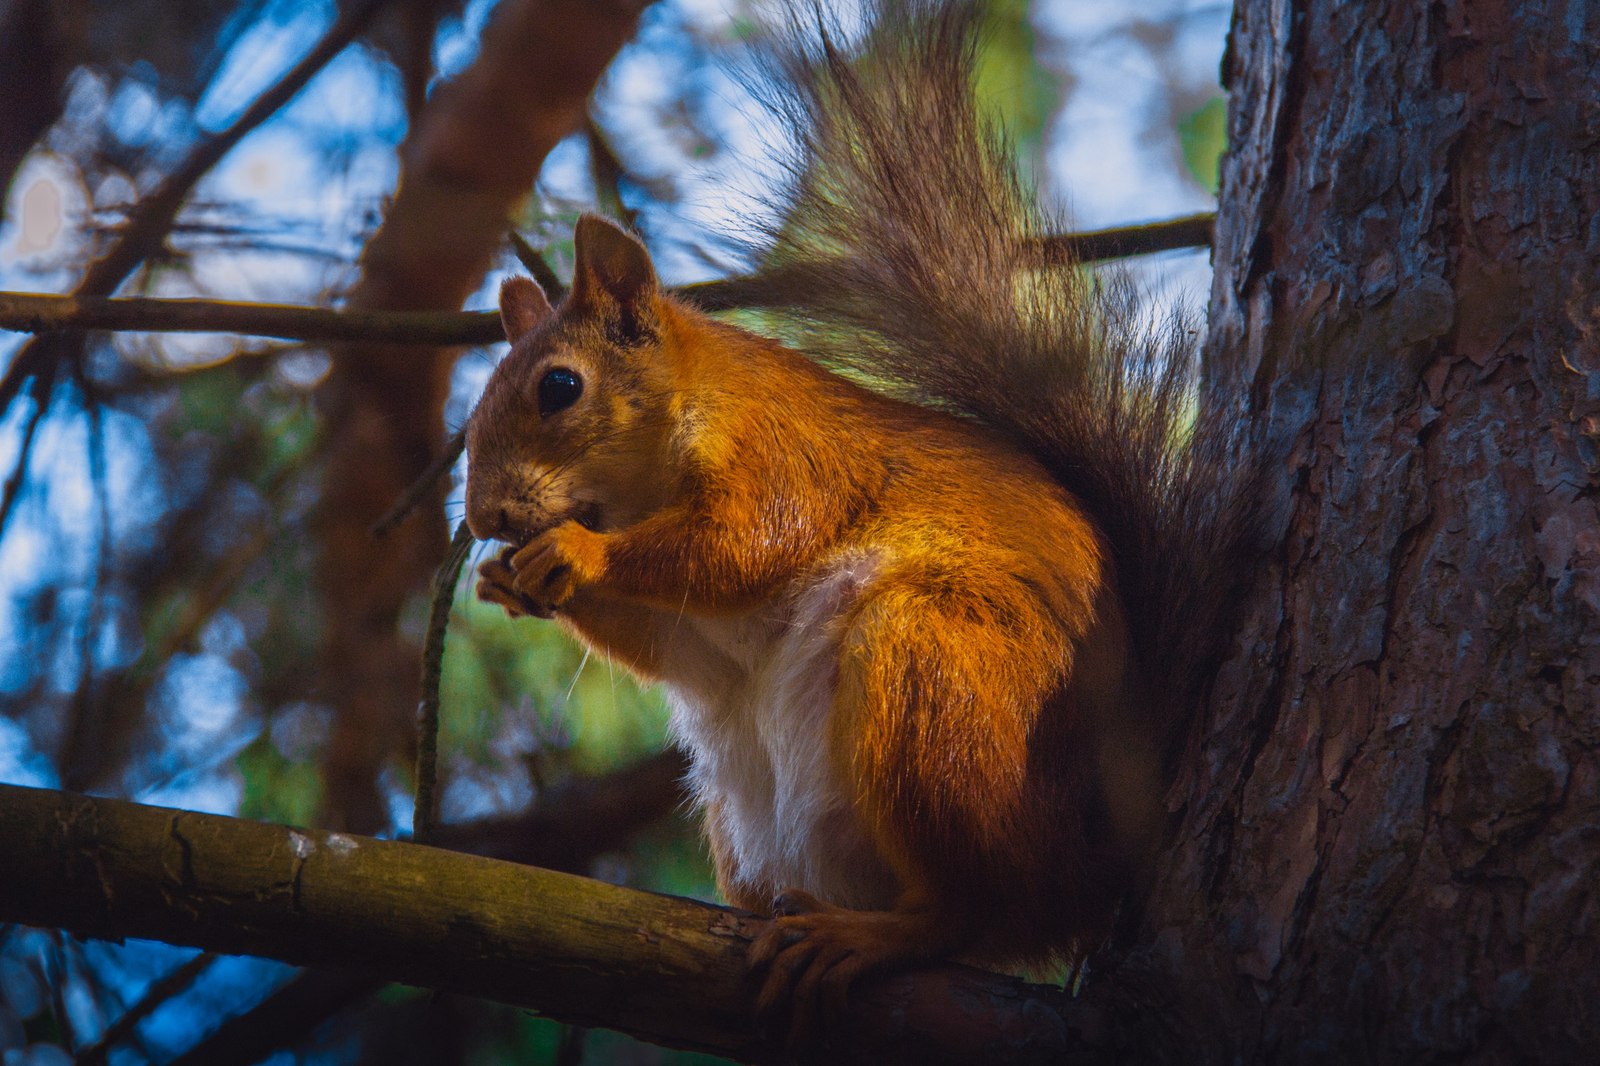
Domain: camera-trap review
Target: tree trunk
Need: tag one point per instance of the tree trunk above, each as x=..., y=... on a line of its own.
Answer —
x=471, y=160
x=1389, y=832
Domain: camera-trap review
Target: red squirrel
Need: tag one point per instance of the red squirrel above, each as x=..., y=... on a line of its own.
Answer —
x=930, y=643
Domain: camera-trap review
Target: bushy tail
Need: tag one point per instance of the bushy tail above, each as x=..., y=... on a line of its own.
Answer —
x=910, y=250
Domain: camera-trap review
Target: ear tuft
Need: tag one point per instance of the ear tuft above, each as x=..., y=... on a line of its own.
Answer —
x=523, y=306
x=613, y=268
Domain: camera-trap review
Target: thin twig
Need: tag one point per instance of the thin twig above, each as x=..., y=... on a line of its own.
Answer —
x=538, y=266
x=159, y=992
x=608, y=174
x=1068, y=249
x=441, y=465
x=19, y=472
x=425, y=813
x=150, y=220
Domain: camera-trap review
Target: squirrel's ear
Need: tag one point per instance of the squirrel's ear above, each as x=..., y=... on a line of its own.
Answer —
x=523, y=306
x=614, y=269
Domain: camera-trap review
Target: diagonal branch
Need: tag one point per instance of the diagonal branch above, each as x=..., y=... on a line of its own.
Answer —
x=469, y=160
x=1119, y=242
x=160, y=992
x=668, y=970
x=148, y=223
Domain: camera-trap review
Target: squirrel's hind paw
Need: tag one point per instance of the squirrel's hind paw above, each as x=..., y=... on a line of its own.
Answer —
x=812, y=953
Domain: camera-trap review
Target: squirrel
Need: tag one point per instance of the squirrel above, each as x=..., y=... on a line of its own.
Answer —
x=933, y=590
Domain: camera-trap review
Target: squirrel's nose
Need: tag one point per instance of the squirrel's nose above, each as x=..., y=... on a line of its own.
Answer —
x=486, y=517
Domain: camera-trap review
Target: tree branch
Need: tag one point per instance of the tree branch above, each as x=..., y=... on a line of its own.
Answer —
x=26, y=312
x=580, y=817
x=150, y=219
x=665, y=969
x=564, y=831
x=1191, y=231
x=41, y=313
x=160, y=992
x=1068, y=249
x=425, y=814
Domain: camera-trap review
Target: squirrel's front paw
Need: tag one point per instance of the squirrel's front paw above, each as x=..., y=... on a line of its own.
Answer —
x=552, y=566
x=495, y=579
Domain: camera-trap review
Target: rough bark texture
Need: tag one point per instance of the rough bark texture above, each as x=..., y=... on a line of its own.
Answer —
x=669, y=970
x=470, y=161
x=1390, y=849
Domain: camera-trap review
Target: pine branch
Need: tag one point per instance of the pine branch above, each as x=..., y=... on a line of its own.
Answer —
x=43, y=313
x=668, y=970
x=1091, y=246
x=564, y=831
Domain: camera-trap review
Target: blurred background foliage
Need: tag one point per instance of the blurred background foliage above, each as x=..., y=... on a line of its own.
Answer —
x=159, y=506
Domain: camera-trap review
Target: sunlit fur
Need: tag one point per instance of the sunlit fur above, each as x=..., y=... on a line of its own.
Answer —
x=890, y=641
x=932, y=667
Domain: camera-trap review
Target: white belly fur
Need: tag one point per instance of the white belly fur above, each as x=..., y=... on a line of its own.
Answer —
x=752, y=705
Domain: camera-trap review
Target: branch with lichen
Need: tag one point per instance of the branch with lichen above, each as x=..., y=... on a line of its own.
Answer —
x=668, y=970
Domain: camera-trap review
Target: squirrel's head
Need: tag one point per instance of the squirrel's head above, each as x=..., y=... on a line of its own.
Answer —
x=575, y=422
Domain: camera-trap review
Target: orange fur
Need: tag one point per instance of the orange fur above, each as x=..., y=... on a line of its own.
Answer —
x=930, y=667
x=976, y=667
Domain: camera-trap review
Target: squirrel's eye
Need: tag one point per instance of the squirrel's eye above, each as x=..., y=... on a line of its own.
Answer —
x=559, y=389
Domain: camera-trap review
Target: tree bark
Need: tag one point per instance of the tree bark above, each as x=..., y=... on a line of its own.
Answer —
x=668, y=970
x=1387, y=844
x=565, y=831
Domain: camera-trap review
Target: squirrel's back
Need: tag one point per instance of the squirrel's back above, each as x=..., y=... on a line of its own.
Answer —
x=942, y=667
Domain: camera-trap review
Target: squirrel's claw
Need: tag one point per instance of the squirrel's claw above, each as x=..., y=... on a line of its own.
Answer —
x=552, y=566
x=495, y=586
x=809, y=957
